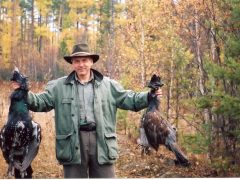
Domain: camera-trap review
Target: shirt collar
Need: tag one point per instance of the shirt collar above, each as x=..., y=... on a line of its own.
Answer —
x=98, y=77
x=90, y=80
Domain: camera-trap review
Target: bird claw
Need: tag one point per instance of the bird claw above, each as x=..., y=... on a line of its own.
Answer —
x=10, y=171
x=18, y=165
x=183, y=164
x=144, y=149
x=23, y=174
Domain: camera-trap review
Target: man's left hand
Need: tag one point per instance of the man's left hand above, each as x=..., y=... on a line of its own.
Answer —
x=159, y=92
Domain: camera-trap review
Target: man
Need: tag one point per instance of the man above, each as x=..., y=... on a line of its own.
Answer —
x=85, y=104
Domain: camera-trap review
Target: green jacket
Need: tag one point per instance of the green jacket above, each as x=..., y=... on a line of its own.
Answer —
x=60, y=95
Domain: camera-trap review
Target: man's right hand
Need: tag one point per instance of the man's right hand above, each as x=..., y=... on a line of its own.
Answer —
x=15, y=85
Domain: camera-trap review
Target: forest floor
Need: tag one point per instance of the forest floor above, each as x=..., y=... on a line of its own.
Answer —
x=130, y=164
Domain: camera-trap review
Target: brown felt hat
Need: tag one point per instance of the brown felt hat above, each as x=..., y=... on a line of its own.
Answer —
x=81, y=50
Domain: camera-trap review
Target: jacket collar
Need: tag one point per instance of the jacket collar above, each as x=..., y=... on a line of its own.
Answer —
x=98, y=77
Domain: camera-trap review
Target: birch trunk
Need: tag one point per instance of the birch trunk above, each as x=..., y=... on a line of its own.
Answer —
x=142, y=60
x=111, y=44
x=13, y=57
x=201, y=83
x=169, y=94
x=60, y=17
x=31, y=50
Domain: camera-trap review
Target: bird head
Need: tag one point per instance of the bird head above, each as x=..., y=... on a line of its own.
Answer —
x=20, y=78
x=155, y=83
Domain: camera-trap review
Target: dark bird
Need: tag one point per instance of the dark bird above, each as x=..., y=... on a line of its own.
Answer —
x=155, y=129
x=20, y=137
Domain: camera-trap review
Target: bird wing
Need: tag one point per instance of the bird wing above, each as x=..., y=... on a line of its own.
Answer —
x=155, y=128
x=3, y=145
x=32, y=148
x=1, y=137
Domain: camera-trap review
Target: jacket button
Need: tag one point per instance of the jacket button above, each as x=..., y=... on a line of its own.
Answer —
x=72, y=114
x=76, y=147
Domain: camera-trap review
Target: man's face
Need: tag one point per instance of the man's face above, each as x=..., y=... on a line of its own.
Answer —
x=82, y=65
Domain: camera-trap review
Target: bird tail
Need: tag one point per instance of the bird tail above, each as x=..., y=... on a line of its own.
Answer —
x=32, y=148
x=181, y=157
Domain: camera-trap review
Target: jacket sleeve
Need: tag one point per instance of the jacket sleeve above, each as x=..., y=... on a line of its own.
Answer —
x=42, y=102
x=128, y=99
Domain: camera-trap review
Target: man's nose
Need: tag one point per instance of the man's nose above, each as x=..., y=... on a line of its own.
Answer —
x=80, y=63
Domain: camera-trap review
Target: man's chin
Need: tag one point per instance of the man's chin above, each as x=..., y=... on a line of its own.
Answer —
x=82, y=73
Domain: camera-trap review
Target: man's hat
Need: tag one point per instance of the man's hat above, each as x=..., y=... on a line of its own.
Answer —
x=81, y=50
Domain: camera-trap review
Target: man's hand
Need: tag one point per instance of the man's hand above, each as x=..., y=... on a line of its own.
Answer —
x=154, y=93
x=159, y=92
x=15, y=85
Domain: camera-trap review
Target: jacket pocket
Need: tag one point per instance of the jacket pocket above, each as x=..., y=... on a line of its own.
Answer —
x=66, y=100
x=64, y=150
x=66, y=108
x=111, y=141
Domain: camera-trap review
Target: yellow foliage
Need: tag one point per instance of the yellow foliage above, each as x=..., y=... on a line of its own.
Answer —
x=6, y=47
x=43, y=31
x=75, y=4
x=43, y=6
x=9, y=31
x=73, y=15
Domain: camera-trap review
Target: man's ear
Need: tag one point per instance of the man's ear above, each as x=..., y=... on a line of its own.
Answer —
x=92, y=60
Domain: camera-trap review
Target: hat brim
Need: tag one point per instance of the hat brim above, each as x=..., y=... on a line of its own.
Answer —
x=95, y=57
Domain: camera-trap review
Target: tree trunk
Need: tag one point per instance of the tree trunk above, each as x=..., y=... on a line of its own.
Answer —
x=40, y=37
x=13, y=56
x=32, y=25
x=31, y=53
x=60, y=19
x=23, y=31
x=111, y=41
x=202, y=89
x=142, y=42
x=170, y=85
x=177, y=105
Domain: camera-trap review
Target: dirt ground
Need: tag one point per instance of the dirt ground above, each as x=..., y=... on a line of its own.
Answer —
x=129, y=165
x=132, y=164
